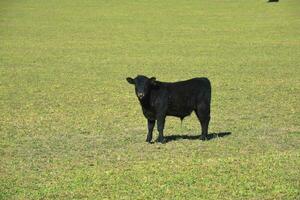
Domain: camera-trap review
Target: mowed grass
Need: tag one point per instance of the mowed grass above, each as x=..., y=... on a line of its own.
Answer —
x=71, y=126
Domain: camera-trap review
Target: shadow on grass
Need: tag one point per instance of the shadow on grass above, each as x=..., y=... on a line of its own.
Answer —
x=195, y=137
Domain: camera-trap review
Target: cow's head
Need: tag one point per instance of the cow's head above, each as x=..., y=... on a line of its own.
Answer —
x=142, y=85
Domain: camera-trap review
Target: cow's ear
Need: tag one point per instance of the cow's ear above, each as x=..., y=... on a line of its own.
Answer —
x=130, y=80
x=152, y=78
x=153, y=81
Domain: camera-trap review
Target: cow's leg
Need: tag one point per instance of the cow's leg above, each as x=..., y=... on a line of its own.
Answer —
x=151, y=124
x=203, y=114
x=204, y=125
x=160, y=127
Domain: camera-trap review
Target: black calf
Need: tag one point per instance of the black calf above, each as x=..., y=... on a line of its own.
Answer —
x=179, y=99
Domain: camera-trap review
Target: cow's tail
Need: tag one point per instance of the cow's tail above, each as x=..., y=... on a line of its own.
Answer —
x=209, y=91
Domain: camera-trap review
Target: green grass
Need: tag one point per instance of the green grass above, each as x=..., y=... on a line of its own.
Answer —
x=71, y=126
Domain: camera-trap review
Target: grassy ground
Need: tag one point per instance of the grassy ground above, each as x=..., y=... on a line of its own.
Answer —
x=71, y=127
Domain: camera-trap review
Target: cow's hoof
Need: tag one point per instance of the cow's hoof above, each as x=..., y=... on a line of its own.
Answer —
x=203, y=138
x=161, y=140
x=149, y=141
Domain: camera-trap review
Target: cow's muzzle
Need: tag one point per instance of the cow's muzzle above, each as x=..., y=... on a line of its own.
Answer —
x=140, y=95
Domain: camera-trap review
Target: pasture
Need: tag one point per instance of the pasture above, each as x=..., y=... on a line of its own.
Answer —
x=72, y=128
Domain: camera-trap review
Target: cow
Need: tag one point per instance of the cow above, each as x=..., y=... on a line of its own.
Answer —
x=179, y=99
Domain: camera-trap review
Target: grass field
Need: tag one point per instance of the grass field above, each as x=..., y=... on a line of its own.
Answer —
x=71, y=126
